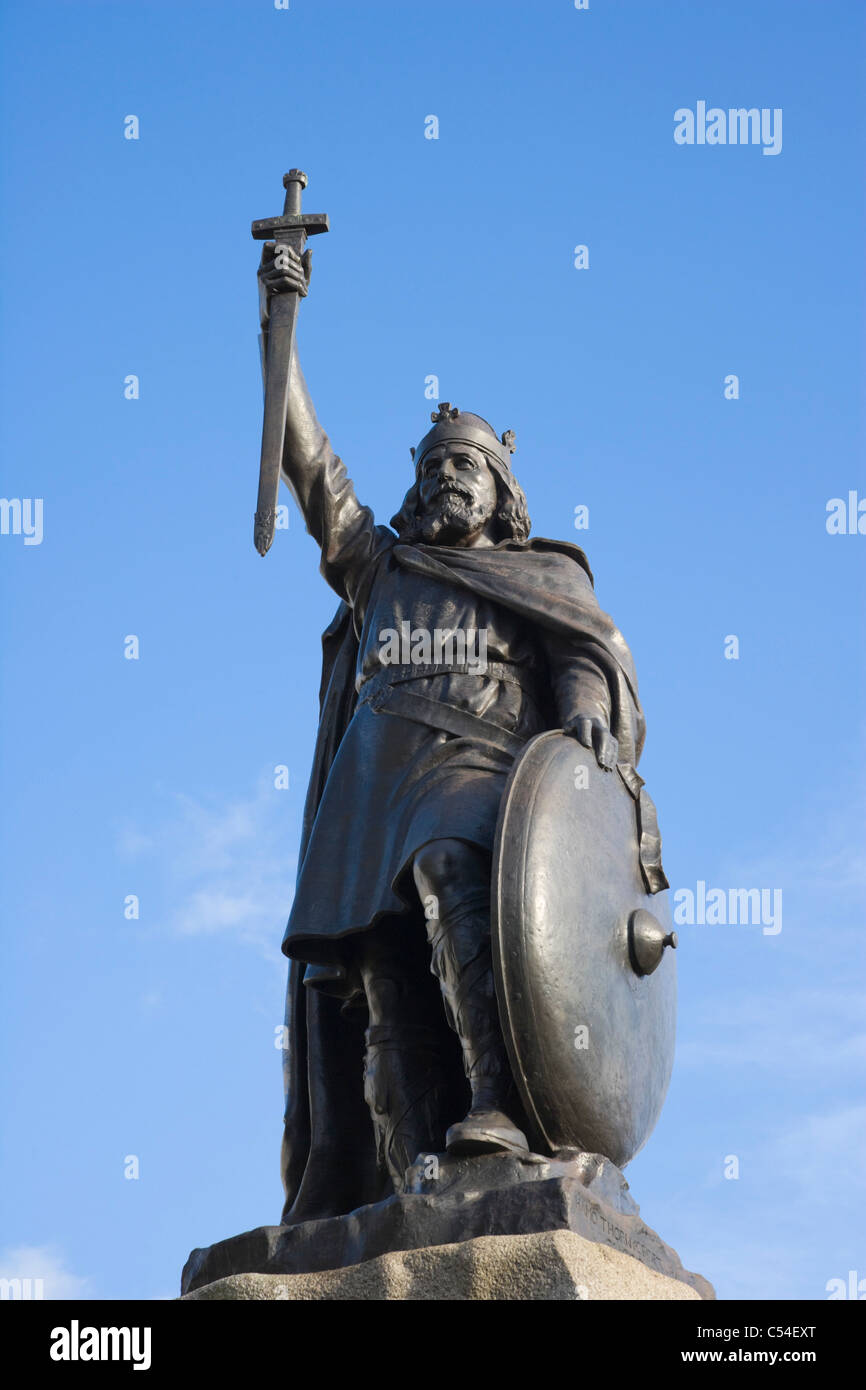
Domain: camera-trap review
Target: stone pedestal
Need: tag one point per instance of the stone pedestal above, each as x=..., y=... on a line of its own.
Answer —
x=492, y=1227
x=555, y=1265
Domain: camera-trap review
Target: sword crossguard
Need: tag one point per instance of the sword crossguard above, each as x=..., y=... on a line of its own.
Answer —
x=292, y=220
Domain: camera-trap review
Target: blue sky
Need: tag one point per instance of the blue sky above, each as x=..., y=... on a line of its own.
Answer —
x=455, y=257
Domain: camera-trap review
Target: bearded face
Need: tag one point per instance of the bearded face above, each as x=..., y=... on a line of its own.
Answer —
x=458, y=496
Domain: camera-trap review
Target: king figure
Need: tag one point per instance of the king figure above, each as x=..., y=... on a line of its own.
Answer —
x=459, y=637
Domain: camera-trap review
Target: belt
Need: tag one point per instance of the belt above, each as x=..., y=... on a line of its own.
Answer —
x=394, y=699
x=395, y=675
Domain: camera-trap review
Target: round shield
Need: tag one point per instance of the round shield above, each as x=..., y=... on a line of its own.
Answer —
x=585, y=979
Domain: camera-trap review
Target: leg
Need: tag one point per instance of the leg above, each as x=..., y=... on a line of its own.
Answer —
x=453, y=882
x=405, y=1082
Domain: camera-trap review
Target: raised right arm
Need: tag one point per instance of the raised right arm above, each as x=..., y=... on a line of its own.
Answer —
x=344, y=530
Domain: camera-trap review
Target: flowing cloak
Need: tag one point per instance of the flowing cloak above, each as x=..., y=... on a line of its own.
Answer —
x=328, y=1161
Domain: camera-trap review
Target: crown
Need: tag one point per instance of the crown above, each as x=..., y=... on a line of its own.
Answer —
x=461, y=426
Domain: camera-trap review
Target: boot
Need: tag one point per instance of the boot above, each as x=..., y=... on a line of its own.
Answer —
x=407, y=1093
x=462, y=962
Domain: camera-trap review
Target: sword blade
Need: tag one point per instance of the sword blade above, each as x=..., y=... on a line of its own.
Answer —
x=281, y=336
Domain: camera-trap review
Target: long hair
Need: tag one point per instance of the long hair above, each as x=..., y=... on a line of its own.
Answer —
x=511, y=515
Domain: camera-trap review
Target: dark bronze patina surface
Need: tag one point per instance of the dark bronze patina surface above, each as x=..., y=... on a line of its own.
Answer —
x=479, y=947
x=417, y=745
x=586, y=988
x=502, y=1194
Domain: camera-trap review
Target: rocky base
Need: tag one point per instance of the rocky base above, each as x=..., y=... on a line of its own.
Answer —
x=447, y=1229
x=555, y=1265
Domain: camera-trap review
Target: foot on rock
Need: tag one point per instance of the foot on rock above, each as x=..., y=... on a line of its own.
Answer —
x=485, y=1131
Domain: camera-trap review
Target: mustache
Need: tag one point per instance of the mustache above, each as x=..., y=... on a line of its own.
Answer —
x=453, y=488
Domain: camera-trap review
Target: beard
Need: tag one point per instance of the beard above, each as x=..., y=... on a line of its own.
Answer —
x=451, y=516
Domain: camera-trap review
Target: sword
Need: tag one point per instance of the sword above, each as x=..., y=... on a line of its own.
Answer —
x=292, y=229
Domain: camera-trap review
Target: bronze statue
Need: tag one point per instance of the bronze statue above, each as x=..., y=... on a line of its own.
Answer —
x=440, y=997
